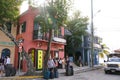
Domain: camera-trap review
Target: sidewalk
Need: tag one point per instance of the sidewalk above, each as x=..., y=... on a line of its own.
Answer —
x=81, y=69
x=61, y=73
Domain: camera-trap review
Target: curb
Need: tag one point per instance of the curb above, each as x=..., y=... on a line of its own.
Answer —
x=20, y=77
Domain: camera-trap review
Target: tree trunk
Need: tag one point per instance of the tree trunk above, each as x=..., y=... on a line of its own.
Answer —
x=47, y=55
x=31, y=70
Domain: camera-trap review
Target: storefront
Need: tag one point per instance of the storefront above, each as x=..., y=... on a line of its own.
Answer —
x=35, y=43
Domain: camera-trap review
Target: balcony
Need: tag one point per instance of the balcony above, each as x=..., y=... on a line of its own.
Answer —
x=37, y=36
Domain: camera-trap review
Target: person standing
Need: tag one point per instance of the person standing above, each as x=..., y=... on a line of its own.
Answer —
x=63, y=63
x=60, y=63
x=8, y=66
x=1, y=67
x=51, y=66
x=8, y=60
x=67, y=61
x=80, y=61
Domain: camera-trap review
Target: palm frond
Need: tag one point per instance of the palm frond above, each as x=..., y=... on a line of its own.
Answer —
x=101, y=55
x=106, y=52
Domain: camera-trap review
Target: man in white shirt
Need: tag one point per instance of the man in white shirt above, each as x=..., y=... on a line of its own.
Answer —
x=51, y=63
x=8, y=60
x=8, y=67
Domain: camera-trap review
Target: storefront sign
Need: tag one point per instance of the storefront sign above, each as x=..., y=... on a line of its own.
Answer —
x=33, y=55
x=7, y=43
x=20, y=47
x=39, y=59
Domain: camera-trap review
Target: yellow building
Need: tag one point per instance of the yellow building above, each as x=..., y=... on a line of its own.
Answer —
x=7, y=47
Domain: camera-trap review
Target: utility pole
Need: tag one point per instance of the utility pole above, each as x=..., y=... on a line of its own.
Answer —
x=92, y=37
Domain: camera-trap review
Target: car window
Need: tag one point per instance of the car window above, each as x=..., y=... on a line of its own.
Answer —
x=114, y=60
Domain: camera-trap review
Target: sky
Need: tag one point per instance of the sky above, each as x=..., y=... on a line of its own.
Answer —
x=106, y=22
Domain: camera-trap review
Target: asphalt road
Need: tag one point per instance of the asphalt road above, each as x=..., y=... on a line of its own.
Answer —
x=91, y=75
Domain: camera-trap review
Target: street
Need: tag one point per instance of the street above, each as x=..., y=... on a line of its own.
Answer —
x=91, y=75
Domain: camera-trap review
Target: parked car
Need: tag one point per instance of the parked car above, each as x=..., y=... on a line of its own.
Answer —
x=112, y=65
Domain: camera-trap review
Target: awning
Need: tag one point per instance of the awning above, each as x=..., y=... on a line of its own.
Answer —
x=61, y=40
x=97, y=45
x=117, y=50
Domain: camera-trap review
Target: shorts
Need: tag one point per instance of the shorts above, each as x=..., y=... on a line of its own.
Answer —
x=2, y=68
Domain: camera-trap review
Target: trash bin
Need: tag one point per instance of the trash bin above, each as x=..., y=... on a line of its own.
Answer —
x=56, y=74
x=13, y=71
x=46, y=74
x=8, y=68
x=69, y=71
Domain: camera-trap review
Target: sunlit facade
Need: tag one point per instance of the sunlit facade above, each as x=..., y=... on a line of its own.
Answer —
x=35, y=41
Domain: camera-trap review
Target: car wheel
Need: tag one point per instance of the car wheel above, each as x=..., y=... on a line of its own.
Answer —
x=106, y=72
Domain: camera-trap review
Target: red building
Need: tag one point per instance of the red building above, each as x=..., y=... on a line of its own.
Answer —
x=35, y=42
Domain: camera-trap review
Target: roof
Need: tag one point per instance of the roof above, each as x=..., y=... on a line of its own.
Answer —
x=117, y=50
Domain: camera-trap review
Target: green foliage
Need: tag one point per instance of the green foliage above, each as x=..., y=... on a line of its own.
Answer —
x=9, y=10
x=105, y=51
x=76, y=25
x=53, y=14
x=60, y=12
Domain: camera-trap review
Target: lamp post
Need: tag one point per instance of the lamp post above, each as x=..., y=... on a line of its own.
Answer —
x=92, y=37
x=20, y=52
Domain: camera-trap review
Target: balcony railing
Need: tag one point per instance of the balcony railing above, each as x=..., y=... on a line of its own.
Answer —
x=45, y=36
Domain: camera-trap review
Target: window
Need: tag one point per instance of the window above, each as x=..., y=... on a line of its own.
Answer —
x=23, y=27
x=57, y=32
x=37, y=31
x=56, y=54
x=88, y=45
x=88, y=38
x=9, y=25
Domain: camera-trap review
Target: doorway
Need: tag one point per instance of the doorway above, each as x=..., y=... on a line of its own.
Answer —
x=5, y=52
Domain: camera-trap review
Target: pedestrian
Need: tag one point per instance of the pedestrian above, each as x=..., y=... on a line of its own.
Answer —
x=60, y=63
x=63, y=63
x=56, y=62
x=68, y=67
x=1, y=67
x=80, y=61
x=8, y=66
x=51, y=66
x=67, y=62
x=56, y=75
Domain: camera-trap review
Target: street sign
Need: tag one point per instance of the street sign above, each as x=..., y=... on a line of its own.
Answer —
x=20, y=47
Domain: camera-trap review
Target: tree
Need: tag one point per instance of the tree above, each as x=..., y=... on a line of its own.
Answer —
x=9, y=14
x=105, y=51
x=77, y=26
x=55, y=15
